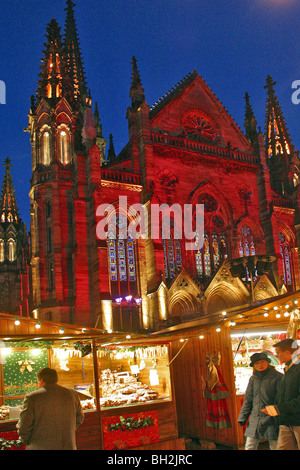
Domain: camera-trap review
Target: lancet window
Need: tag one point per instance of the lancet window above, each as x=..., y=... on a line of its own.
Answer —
x=214, y=250
x=121, y=258
x=246, y=242
x=285, y=259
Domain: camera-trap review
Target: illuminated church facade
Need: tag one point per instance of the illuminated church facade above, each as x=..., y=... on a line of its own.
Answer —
x=184, y=149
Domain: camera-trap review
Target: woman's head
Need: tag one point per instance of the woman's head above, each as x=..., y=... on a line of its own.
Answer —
x=260, y=361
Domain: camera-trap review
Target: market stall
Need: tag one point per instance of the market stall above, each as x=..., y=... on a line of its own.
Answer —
x=222, y=345
x=124, y=383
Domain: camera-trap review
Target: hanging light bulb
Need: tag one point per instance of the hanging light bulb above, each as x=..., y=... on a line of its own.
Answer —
x=17, y=322
x=38, y=325
x=266, y=314
x=278, y=315
x=218, y=329
x=201, y=336
x=61, y=331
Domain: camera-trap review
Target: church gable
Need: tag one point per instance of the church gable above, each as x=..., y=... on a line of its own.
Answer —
x=191, y=110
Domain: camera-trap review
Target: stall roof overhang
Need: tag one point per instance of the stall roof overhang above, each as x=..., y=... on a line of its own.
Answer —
x=247, y=317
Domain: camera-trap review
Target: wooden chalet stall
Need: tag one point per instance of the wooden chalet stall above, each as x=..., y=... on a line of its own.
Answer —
x=234, y=335
x=122, y=380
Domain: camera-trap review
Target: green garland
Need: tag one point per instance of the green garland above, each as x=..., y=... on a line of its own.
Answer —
x=31, y=344
x=130, y=424
x=6, y=445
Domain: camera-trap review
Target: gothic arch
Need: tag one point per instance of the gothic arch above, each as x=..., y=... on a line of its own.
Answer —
x=213, y=190
x=255, y=236
x=224, y=295
x=183, y=304
x=287, y=232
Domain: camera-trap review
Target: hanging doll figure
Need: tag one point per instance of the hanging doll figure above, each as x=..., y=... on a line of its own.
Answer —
x=216, y=392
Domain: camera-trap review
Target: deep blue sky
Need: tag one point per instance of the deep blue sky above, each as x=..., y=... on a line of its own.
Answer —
x=234, y=45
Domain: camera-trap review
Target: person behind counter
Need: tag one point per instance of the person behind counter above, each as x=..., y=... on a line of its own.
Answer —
x=286, y=407
x=50, y=415
x=261, y=391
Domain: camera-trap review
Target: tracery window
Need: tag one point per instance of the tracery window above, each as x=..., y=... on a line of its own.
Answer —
x=285, y=259
x=172, y=256
x=214, y=249
x=121, y=259
x=246, y=242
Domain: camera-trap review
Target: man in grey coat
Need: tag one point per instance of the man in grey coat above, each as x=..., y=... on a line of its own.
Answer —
x=50, y=415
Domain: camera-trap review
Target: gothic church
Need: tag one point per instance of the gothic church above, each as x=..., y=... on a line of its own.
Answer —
x=184, y=149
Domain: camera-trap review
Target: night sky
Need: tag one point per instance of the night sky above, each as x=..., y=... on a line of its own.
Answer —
x=233, y=44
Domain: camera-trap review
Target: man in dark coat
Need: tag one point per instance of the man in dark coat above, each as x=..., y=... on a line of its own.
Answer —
x=50, y=415
x=286, y=407
x=261, y=391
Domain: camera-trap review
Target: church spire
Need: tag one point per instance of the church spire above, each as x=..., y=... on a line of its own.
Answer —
x=73, y=54
x=277, y=137
x=8, y=203
x=111, y=151
x=279, y=148
x=250, y=121
x=54, y=81
x=136, y=90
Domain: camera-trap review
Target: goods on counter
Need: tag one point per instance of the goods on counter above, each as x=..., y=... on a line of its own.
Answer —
x=88, y=404
x=4, y=412
x=123, y=389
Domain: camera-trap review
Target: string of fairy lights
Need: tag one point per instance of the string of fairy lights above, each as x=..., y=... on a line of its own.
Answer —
x=281, y=311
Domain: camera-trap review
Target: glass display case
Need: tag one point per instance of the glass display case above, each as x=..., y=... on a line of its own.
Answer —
x=133, y=375
x=127, y=375
x=20, y=362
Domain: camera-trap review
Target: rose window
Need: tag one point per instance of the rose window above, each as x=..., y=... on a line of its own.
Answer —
x=198, y=126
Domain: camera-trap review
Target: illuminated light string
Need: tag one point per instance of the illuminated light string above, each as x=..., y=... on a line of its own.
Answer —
x=227, y=322
x=225, y=319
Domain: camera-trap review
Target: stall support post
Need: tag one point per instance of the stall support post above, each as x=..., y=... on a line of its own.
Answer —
x=97, y=393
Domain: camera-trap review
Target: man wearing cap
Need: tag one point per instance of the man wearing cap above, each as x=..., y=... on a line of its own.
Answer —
x=286, y=407
x=261, y=391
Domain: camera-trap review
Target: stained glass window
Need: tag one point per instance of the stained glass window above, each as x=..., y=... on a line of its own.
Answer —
x=214, y=249
x=207, y=265
x=246, y=242
x=285, y=259
x=112, y=256
x=121, y=255
x=199, y=265
x=172, y=256
x=131, y=260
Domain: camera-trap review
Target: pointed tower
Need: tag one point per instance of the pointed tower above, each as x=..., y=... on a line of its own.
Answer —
x=66, y=173
x=14, y=251
x=73, y=54
x=111, y=150
x=100, y=141
x=136, y=90
x=279, y=148
x=250, y=123
x=54, y=81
